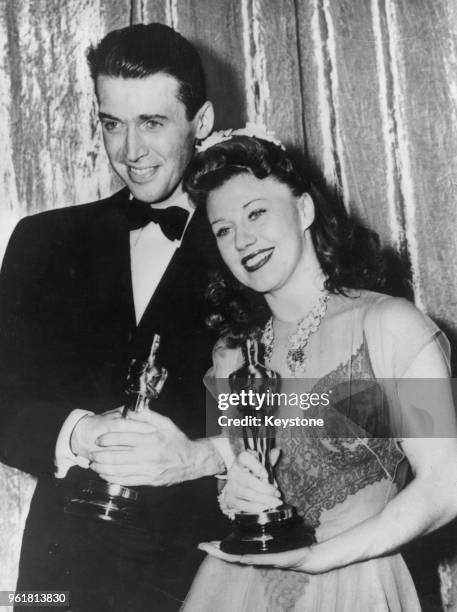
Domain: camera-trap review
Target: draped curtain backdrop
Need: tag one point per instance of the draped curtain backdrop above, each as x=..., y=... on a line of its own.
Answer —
x=366, y=89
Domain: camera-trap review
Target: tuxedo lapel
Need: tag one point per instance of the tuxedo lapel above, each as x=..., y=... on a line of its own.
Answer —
x=108, y=249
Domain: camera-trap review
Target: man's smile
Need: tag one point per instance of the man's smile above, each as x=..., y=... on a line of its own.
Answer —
x=139, y=175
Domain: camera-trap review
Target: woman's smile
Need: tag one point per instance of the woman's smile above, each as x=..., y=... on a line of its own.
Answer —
x=254, y=261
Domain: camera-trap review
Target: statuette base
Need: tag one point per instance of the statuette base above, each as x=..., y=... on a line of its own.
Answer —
x=271, y=531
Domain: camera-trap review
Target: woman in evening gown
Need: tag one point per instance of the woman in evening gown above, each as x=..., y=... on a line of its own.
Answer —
x=298, y=278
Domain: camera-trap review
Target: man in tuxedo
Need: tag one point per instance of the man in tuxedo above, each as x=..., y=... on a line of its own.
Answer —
x=83, y=290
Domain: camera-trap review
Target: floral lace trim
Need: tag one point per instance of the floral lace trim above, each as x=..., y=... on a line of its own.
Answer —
x=321, y=473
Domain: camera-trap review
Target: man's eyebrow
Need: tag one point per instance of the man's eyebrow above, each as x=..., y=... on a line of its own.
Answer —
x=107, y=116
x=155, y=117
x=145, y=117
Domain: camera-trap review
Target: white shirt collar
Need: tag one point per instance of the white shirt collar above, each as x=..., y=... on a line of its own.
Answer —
x=182, y=201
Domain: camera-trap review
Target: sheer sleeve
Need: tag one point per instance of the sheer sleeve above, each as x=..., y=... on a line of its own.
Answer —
x=396, y=332
x=410, y=356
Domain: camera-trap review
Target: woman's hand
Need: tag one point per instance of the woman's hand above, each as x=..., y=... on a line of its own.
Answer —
x=308, y=560
x=247, y=488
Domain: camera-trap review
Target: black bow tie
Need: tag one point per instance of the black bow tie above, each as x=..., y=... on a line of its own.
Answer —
x=172, y=220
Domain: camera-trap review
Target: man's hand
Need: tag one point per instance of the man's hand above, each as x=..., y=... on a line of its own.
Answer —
x=157, y=453
x=87, y=430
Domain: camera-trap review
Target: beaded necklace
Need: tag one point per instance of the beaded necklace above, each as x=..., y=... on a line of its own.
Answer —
x=298, y=340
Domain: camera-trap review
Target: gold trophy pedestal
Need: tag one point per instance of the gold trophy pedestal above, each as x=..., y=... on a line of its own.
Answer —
x=270, y=531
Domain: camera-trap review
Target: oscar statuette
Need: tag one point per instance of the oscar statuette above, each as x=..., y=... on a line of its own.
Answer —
x=277, y=529
x=98, y=499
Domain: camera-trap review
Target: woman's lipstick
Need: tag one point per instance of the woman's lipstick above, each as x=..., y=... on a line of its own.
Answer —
x=254, y=261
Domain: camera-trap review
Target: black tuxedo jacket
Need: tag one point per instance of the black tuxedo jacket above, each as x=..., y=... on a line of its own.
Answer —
x=67, y=335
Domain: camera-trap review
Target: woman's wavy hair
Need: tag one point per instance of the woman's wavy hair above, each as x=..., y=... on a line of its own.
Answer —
x=348, y=253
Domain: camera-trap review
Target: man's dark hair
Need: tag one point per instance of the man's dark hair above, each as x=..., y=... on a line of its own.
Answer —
x=139, y=51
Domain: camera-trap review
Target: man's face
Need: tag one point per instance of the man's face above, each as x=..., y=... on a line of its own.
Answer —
x=148, y=139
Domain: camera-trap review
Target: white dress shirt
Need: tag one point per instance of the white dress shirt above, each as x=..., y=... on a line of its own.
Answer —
x=150, y=253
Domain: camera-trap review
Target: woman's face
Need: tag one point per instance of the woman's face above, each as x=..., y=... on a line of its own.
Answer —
x=259, y=226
